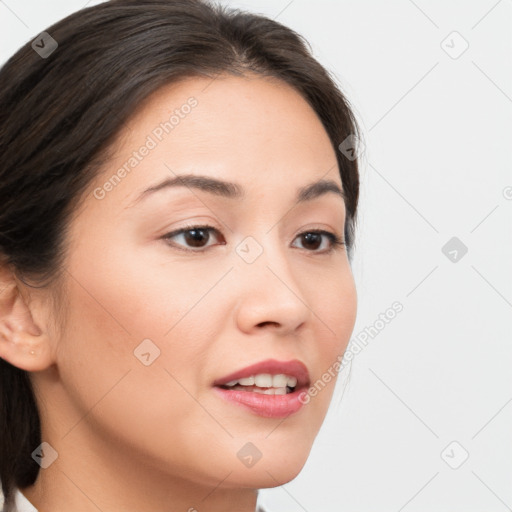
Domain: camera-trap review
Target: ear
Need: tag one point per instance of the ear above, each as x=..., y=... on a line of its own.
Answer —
x=22, y=343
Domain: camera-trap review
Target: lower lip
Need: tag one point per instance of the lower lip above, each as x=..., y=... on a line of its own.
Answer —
x=269, y=406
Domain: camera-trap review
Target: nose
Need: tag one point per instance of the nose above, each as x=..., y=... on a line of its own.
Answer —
x=270, y=295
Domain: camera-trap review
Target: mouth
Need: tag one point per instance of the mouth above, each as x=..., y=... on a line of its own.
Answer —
x=270, y=388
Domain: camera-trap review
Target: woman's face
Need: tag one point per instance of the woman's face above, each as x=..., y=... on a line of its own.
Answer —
x=152, y=323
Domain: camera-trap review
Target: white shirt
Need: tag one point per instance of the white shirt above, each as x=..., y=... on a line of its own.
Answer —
x=21, y=504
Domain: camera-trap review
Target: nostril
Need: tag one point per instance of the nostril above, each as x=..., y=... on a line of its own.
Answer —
x=262, y=324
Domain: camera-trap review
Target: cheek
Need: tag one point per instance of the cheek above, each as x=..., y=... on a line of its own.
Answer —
x=109, y=385
x=117, y=299
x=334, y=313
x=334, y=310
x=134, y=288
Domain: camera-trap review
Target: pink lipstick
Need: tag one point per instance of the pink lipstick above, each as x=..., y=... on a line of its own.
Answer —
x=269, y=388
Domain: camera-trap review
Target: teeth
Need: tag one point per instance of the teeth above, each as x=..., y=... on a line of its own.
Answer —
x=271, y=391
x=266, y=380
x=279, y=381
x=263, y=380
x=292, y=382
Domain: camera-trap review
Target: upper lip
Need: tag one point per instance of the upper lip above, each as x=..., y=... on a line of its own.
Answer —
x=293, y=368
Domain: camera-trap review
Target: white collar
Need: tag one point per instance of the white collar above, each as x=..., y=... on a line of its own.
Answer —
x=21, y=504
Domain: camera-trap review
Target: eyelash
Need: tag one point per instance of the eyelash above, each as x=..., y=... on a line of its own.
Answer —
x=337, y=243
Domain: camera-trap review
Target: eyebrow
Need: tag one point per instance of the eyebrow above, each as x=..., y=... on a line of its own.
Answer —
x=232, y=190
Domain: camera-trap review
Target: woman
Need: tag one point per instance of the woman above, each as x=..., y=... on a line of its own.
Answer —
x=176, y=235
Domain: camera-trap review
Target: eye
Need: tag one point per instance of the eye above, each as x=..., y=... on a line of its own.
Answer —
x=196, y=238
x=313, y=239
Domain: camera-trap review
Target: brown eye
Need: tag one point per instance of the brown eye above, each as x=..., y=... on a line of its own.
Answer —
x=190, y=237
x=196, y=237
x=312, y=240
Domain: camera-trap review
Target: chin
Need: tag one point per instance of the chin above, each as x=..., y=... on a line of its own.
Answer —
x=277, y=469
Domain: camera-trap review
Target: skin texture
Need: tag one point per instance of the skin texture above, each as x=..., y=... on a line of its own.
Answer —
x=144, y=438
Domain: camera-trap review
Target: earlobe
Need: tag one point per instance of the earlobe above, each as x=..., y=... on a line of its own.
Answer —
x=22, y=343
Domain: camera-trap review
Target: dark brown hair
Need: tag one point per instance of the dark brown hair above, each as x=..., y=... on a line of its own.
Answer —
x=59, y=116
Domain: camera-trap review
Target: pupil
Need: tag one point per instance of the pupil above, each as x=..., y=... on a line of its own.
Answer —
x=313, y=237
x=197, y=237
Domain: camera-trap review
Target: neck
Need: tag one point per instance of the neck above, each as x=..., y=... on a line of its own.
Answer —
x=64, y=492
x=87, y=477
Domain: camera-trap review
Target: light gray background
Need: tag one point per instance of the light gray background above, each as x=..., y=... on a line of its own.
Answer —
x=437, y=164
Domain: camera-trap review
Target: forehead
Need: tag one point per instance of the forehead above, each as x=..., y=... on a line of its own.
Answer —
x=249, y=129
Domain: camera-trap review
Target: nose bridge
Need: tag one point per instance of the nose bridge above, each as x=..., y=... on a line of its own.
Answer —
x=267, y=257
x=270, y=291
